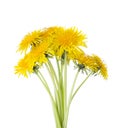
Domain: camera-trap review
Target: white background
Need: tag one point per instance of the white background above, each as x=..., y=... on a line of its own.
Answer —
x=24, y=103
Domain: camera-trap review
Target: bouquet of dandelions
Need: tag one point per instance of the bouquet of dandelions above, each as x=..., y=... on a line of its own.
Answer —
x=63, y=45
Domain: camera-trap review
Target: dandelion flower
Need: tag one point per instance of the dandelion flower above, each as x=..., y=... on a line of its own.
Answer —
x=28, y=40
x=93, y=63
x=67, y=40
x=35, y=56
x=86, y=60
x=25, y=66
x=101, y=66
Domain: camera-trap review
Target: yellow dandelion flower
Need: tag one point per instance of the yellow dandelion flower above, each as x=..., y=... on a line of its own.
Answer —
x=39, y=52
x=29, y=39
x=94, y=63
x=35, y=56
x=101, y=66
x=67, y=40
x=25, y=66
x=71, y=37
x=87, y=61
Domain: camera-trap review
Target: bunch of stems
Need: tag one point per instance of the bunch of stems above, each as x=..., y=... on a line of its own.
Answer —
x=60, y=100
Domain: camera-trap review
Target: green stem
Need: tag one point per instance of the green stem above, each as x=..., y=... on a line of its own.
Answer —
x=60, y=90
x=58, y=67
x=51, y=74
x=56, y=115
x=80, y=85
x=70, y=97
x=65, y=81
x=58, y=95
x=65, y=90
x=53, y=71
x=56, y=90
x=41, y=77
x=72, y=89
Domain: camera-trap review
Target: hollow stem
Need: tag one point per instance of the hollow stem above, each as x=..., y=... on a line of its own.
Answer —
x=54, y=106
x=81, y=85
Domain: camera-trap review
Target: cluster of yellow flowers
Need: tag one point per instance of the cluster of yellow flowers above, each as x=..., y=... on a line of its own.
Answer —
x=64, y=45
x=38, y=46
